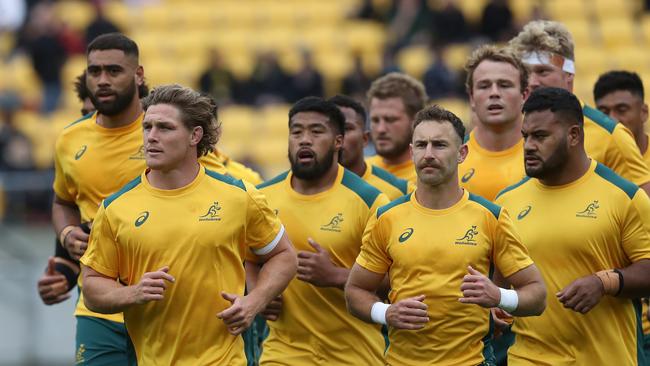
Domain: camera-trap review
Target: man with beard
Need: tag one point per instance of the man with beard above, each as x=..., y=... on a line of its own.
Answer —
x=356, y=139
x=548, y=50
x=595, y=259
x=496, y=84
x=166, y=245
x=437, y=245
x=394, y=100
x=94, y=157
x=324, y=208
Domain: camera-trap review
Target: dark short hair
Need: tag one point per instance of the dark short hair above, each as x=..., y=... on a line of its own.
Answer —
x=196, y=110
x=322, y=106
x=114, y=41
x=80, y=87
x=618, y=80
x=559, y=101
x=438, y=114
x=347, y=102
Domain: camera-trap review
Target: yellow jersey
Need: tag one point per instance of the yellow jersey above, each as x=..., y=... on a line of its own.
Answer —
x=315, y=327
x=571, y=231
x=426, y=252
x=91, y=162
x=405, y=170
x=612, y=144
x=646, y=154
x=486, y=172
x=387, y=183
x=201, y=231
x=644, y=317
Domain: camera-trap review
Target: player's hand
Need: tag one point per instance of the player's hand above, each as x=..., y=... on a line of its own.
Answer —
x=582, y=294
x=273, y=309
x=317, y=267
x=478, y=289
x=52, y=286
x=152, y=286
x=240, y=315
x=409, y=313
x=76, y=242
x=502, y=321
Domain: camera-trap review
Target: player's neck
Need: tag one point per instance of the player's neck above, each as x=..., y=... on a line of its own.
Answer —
x=577, y=165
x=318, y=185
x=399, y=159
x=439, y=197
x=176, y=177
x=127, y=116
x=358, y=167
x=498, y=138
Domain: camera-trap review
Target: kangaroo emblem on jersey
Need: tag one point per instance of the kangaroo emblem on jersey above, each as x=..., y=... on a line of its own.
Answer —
x=334, y=224
x=80, y=153
x=212, y=214
x=139, y=155
x=590, y=211
x=468, y=238
x=467, y=176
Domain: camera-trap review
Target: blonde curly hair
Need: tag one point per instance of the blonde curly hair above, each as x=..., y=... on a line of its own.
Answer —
x=544, y=35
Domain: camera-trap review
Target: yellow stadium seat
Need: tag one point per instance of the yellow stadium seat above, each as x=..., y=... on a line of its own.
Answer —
x=582, y=31
x=631, y=58
x=618, y=33
x=645, y=28
x=459, y=107
x=364, y=37
x=590, y=60
x=608, y=9
x=333, y=65
x=565, y=10
x=77, y=14
x=522, y=9
x=414, y=60
x=472, y=10
x=455, y=56
x=120, y=14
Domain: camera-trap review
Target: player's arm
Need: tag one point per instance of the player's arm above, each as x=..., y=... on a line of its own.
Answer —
x=528, y=297
x=264, y=284
x=104, y=294
x=363, y=302
x=318, y=269
x=66, y=220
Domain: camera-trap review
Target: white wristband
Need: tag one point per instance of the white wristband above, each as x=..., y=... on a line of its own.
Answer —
x=378, y=312
x=509, y=300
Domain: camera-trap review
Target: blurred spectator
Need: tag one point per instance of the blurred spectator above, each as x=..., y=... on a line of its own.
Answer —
x=369, y=10
x=439, y=80
x=41, y=40
x=12, y=14
x=217, y=80
x=356, y=83
x=448, y=24
x=15, y=147
x=408, y=23
x=388, y=63
x=100, y=24
x=307, y=81
x=497, y=21
x=268, y=83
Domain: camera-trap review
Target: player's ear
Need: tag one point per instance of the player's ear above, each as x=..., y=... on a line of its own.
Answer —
x=462, y=153
x=338, y=141
x=196, y=135
x=574, y=135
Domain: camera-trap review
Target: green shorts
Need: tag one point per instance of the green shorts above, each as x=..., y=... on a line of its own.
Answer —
x=101, y=342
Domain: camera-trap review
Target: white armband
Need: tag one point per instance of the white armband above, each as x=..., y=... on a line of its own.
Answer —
x=378, y=312
x=509, y=300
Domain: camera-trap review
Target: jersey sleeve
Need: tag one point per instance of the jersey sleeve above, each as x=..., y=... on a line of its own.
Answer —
x=263, y=228
x=60, y=184
x=624, y=157
x=374, y=253
x=636, y=228
x=102, y=253
x=509, y=253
